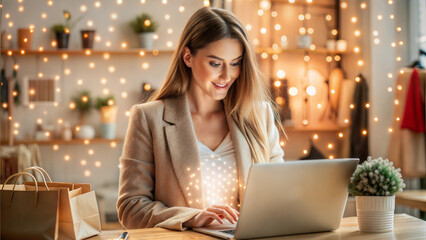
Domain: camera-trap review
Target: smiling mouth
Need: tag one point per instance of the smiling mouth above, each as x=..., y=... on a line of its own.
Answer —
x=220, y=85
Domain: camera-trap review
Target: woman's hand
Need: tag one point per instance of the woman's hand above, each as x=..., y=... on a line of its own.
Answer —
x=215, y=212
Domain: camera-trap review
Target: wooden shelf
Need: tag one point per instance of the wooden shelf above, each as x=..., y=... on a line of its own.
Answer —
x=270, y=50
x=89, y=52
x=314, y=129
x=319, y=5
x=64, y=142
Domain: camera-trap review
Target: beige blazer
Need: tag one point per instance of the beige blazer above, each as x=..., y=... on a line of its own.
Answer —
x=160, y=177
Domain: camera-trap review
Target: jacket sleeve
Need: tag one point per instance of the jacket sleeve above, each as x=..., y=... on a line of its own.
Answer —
x=136, y=205
x=276, y=152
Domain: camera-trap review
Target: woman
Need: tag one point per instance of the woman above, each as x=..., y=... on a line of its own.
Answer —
x=187, y=152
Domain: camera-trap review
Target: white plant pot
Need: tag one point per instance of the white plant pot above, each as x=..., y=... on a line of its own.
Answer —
x=146, y=40
x=304, y=41
x=330, y=45
x=86, y=132
x=375, y=213
x=341, y=45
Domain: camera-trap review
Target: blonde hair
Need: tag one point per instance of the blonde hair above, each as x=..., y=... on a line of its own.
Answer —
x=245, y=99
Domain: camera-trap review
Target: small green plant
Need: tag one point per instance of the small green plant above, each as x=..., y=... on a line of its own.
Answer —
x=68, y=25
x=83, y=103
x=376, y=177
x=105, y=102
x=144, y=23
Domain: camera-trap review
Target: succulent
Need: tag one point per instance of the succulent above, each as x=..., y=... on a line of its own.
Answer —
x=144, y=23
x=376, y=177
x=83, y=102
x=105, y=101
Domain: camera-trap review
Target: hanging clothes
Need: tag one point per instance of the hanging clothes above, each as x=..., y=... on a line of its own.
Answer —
x=359, y=122
x=407, y=145
x=413, y=118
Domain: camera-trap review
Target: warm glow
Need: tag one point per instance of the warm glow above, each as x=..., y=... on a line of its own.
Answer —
x=277, y=83
x=281, y=74
x=147, y=86
x=293, y=91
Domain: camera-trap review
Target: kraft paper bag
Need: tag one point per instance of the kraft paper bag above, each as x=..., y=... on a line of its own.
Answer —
x=29, y=214
x=78, y=210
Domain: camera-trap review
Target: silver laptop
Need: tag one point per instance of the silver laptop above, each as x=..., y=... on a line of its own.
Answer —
x=287, y=198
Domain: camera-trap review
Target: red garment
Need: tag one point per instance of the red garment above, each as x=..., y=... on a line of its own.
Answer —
x=413, y=118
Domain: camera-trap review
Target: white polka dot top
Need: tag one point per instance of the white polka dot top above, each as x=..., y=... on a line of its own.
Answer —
x=219, y=174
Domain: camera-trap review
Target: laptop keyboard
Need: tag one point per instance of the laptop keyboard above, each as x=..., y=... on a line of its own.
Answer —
x=231, y=231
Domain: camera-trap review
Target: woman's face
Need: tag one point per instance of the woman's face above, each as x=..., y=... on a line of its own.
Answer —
x=215, y=67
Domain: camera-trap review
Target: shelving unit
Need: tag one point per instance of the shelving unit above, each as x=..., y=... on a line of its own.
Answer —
x=88, y=52
x=313, y=4
x=137, y=52
x=65, y=142
x=315, y=129
x=270, y=50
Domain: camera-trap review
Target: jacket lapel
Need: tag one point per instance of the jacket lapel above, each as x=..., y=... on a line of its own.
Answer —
x=183, y=147
x=242, y=155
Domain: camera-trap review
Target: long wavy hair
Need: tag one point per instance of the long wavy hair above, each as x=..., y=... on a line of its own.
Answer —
x=245, y=99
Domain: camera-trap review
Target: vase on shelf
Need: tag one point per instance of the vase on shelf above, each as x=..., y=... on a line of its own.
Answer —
x=330, y=45
x=24, y=38
x=62, y=39
x=146, y=40
x=85, y=132
x=108, y=125
x=87, y=37
x=341, y=45
x=375, y=213
x=304, y=41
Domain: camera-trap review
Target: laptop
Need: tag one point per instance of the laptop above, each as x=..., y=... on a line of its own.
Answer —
x=292, y=197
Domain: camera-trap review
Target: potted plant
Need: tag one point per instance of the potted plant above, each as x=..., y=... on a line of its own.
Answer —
x=144, y=26
x=374, y=185
x=108, y=109
x=62, y=31
x=83, y=103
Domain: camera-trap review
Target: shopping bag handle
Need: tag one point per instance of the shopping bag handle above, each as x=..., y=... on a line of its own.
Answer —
x=41, y=169
x=14, y=185
x=42, y=176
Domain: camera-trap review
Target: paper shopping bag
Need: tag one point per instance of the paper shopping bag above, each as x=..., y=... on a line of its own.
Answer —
x=28, y=214
x=78, y=210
